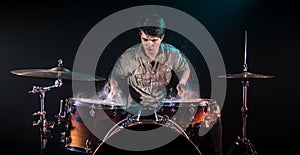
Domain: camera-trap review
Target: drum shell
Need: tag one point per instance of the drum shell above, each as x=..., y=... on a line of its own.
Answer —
x=83, y=125
x=191, y=113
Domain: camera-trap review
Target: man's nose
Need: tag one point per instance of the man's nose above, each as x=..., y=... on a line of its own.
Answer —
x=149, y=43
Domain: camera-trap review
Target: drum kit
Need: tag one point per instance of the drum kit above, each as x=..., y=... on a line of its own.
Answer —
x=78, y=137
x=172, y=114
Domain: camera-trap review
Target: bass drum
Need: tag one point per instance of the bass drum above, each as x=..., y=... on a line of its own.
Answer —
x=131, y=136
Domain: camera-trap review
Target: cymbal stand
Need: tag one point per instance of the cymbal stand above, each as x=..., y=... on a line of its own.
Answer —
x=42, y=122
x=247, y=148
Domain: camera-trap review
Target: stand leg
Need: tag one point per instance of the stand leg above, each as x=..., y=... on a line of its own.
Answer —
x=242, y=148
x=43, y=124
x=43, y=141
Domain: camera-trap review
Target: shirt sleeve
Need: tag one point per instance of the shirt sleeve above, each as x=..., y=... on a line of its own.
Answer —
x=121, y=67
x=179, y=63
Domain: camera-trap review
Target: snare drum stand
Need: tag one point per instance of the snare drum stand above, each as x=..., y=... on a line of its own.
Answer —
x=42, y=122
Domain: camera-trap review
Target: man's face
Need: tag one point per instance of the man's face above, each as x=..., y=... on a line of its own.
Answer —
x=151, y=44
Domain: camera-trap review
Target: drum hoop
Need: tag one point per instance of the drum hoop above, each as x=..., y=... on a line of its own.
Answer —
x=187, y=102
x=178, y=104
x=91, y=101
x=97, y=106
x=117, y=127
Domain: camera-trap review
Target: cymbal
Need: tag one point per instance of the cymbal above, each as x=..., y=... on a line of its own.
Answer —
x=57, y=73
x=245, y=75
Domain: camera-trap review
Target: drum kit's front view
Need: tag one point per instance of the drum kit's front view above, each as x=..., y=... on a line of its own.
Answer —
x=178, y=114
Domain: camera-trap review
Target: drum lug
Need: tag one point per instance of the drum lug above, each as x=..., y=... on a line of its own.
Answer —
x=68, y=140
x=63, y=138
x=124, y=112
x=92, y=113
x=51, y=125
x=165, y=118
x=129, y=120
x=88, y=143
x=114, y=114
x=72, y=110
x=173, y=110
x=36, y=117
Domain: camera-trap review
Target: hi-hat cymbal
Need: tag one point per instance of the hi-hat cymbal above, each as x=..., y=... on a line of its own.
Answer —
x=246, y=75
x=57, y=73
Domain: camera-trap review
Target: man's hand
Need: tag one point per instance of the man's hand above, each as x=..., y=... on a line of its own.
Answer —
x=113, y=89
x=181, y=90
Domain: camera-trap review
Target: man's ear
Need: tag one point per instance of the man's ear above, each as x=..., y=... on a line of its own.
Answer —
x=162, y=37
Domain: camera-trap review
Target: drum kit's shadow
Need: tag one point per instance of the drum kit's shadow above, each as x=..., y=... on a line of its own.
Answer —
x=179, y=115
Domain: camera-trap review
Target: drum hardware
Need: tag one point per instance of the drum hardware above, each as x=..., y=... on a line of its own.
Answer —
x=42, y=122
x=61, y=115
x=92, y=111
x=147, y=109
x=132, y=120
x=57, y=73
x=243, y=144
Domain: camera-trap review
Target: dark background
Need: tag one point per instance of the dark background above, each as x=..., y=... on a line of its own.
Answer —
x=34, y=35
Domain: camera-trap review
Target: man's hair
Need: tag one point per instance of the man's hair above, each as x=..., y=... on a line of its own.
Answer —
x=152, y=25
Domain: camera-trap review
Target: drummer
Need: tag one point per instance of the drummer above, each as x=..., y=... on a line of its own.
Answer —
x=149, y=68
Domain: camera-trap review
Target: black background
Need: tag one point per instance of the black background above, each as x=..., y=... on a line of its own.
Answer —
x=37, y=34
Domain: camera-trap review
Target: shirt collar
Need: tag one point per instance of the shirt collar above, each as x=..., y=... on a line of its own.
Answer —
x=143, y=55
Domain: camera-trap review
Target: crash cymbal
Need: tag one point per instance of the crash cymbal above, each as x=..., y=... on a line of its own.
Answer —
x=246, y=75
x=57, y=73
